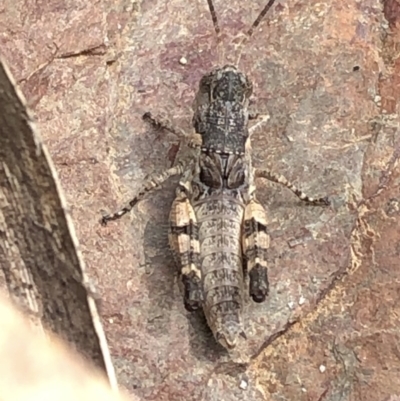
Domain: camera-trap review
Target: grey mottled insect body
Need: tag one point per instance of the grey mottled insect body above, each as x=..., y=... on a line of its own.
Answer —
x=220, y=186
x=218, y=229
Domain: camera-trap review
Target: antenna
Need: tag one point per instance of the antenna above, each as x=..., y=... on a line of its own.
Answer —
x=221, y=54
x=264, y=11
x=214, y=17
x=253, y=27
x=249, y=33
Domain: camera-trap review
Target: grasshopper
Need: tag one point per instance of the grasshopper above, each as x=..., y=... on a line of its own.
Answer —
x=218, y=228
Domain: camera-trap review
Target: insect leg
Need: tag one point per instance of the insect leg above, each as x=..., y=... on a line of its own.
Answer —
x=150, y=184
x=163, y=123
x=184, y=243
x=192, y=140
x=280, y=179
x=253, y=115
x=255, y=243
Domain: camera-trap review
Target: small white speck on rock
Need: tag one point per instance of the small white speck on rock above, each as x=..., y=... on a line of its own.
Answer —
x=385, y=25
x=322, y=368
x=290, y=305
x=243, y=384
x=302, y=300
x=183, y=60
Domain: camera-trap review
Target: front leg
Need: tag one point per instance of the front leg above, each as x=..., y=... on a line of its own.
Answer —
x=192, y=140
x=163, y=123
x=184, y=243
x=150, y=184
x=255, y=244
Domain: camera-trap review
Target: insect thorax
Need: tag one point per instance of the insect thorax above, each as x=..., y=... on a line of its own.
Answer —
x=221, y=111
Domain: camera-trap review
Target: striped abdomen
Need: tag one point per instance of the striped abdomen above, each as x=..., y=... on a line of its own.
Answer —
x=219, y=222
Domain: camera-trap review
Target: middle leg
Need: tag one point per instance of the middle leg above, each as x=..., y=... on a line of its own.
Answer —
x=280, y=179
x=151, y=183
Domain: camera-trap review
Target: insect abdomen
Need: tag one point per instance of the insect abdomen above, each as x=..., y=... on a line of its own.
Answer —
x=221, y=265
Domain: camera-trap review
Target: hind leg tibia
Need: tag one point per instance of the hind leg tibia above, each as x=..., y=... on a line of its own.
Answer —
x=184, y=243
x=255, y=243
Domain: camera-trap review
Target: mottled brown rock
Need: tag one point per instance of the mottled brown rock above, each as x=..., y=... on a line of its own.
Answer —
x=326, y=75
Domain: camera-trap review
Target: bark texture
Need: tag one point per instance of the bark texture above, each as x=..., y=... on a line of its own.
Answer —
x=41, y=266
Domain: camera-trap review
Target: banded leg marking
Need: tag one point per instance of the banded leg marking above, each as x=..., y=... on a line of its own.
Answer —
x=163, y=123
x=184, y=242
x=193, y=140
x=150, y=184
x=280, y=179
x=255, y=243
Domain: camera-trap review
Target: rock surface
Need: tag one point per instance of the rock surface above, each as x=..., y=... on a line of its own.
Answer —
x=327, y=75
